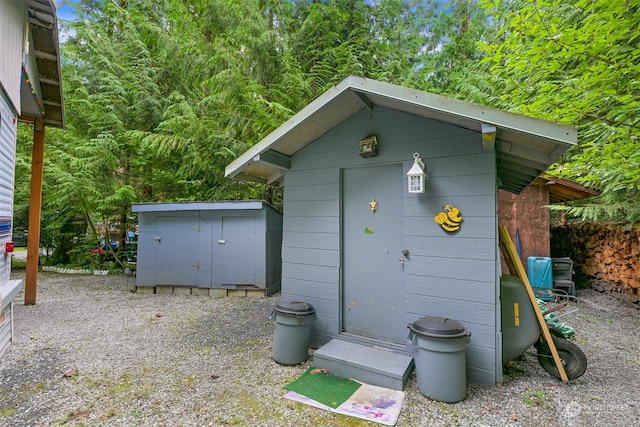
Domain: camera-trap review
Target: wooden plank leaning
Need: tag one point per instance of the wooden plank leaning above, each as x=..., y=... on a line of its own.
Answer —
x=515, y=266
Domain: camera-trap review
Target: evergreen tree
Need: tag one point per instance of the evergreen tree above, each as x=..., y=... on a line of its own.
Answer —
x=578, y=62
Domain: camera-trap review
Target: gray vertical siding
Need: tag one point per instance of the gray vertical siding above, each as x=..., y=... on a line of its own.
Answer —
x=146, y=255
x=273, y=258
x=452, y=275
x=214, y=268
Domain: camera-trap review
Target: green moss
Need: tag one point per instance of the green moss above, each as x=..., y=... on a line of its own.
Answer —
x=185, y=382
x=7, y=412
x=586, y=317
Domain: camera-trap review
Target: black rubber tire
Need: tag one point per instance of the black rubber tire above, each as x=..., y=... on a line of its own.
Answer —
x=573, y=359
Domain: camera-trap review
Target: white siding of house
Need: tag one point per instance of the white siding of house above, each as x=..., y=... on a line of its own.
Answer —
x=8, y=288
x=7, y=170
x=12, y=20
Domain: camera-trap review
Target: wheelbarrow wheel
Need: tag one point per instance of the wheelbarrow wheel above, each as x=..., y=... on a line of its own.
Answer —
x=573, y=359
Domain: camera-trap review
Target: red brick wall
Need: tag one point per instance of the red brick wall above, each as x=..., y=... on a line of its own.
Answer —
x=526, y=213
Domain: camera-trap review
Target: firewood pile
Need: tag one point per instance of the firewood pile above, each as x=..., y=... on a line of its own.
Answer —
x=605, y=257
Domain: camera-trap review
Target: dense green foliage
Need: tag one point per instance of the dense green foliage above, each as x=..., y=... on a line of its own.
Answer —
x=578, y=62
x=161, y=95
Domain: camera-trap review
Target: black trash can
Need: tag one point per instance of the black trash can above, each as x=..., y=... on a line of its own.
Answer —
x=441, y=370
x=292, y=331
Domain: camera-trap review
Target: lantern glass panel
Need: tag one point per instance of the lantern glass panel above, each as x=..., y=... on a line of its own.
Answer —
x=415, y=184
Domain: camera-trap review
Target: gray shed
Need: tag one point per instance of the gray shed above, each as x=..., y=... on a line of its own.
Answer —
x=372, y=256
x=219, y=245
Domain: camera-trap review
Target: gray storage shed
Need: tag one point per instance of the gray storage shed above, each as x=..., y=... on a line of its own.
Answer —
x=222, y=245
x=373, y=254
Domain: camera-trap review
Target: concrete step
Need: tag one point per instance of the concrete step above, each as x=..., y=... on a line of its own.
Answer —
x=368, y=364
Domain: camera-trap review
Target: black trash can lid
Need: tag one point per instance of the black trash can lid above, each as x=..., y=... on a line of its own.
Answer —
x=438, y=327
x=298, y=308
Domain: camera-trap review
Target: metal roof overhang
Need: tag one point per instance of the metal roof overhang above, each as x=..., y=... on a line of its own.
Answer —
x=199, y=206
x=525, y=146
x=43, y=26
x=564, y=190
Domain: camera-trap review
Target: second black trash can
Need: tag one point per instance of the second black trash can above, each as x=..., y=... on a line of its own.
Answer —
x=440, y=360
x=292, y=331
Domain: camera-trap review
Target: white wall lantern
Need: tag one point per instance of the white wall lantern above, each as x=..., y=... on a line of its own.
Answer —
x=415, y=176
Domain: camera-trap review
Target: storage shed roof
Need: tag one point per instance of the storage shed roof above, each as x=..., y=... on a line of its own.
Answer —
x=199, y=206
x=525, y=146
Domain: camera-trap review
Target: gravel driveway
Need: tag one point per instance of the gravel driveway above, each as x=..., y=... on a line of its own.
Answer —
x=93, y=353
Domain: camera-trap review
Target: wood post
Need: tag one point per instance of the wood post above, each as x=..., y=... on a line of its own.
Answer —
x=35, y=208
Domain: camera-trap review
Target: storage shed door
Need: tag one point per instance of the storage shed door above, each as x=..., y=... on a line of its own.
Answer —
x=177, y=256
x=372, y=259
x=235, y=262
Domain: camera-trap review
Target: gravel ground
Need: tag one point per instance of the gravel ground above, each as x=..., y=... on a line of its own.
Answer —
x=93, y=353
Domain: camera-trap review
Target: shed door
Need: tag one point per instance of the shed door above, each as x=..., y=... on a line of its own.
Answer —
x=235, y=262
x=373, y=282
x=177, y=256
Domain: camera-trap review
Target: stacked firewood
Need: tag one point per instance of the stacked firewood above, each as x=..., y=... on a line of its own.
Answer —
x=605, y=257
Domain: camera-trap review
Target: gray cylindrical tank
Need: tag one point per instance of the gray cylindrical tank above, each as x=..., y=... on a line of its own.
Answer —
x=520, y=328
x=292, y=331
x=441, y=370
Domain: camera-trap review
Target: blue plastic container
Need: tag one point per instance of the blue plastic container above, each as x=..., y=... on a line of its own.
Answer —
x=540, y=276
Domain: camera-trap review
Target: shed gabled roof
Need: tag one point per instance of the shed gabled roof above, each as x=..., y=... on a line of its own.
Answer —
x=525, y=146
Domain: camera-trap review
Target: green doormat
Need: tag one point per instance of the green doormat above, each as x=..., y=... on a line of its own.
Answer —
x=324, y=387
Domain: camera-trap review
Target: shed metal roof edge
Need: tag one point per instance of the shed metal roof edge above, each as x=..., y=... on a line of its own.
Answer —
x=196, y=206
x=476, y=112
x=305, y=114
